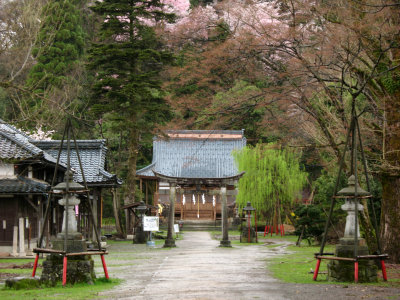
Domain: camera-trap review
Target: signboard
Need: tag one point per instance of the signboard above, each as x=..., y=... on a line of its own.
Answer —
x=150, y=223
x=176, y=228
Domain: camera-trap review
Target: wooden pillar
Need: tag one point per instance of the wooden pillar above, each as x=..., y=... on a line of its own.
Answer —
x=225, y=242
x=94, y=207
x=170, y=241
x=182, y=204
x=146, y=191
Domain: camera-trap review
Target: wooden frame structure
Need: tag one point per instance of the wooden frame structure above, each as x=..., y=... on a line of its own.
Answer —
x=69, y=132
x=353, y=133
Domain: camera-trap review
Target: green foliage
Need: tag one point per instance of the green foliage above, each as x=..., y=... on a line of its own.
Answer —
x=310, y=222
x=59, y=45
x=127, y=97
x=54, y=84
x=272, y=175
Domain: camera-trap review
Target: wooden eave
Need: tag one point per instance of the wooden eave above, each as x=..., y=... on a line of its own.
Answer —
x=200, y=181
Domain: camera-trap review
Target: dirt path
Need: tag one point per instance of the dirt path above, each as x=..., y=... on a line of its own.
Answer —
x=199, y=269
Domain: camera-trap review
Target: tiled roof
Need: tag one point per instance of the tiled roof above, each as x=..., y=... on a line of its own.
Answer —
x=14, y=144
x=22, y=185
x=93, y=158
x=195, y=154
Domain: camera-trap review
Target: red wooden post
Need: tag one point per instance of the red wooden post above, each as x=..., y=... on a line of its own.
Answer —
x=356, y=271
x=283, y=229
x=64, y=279
x=255, y=223
x=35, y=265
x=265, y=230
x=316, y=269
x=281, y=226
x=104, y=266
x=248, y=226
x=383, y=270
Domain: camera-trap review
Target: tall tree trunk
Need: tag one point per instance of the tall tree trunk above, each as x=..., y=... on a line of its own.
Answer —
x=390, y=208
x=390, y=218
x=131, y=176
x=116, y=208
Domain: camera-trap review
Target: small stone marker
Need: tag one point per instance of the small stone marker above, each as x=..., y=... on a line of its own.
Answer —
x=15, y=242
x=22, y=237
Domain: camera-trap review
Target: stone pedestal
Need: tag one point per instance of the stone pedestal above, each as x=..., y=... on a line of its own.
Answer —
x=343, y=271
x=244, y=235
x=140, y=235
x=79, y=268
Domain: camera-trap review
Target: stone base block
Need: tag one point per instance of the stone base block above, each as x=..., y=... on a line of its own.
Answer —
x=169, y=243
x=79, y=269
x=72, y=245
x=343, y=271
x=244, y=236
x=225, y=243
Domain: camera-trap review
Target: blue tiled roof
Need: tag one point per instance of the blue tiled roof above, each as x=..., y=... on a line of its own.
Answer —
x=22, y=185
x=93, y=158
x=195, y=154
x=14, y=144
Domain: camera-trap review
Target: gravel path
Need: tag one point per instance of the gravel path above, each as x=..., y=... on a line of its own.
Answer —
x=199, y=269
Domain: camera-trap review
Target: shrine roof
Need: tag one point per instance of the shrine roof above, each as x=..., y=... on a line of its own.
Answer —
x=93, y=158
x=16, y=145
x=195, y=154
x=22, y=185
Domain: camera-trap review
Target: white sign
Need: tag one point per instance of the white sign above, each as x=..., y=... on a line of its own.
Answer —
x=150, y=223
x=176, y=228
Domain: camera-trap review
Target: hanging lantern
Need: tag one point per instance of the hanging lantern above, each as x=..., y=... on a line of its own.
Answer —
x=203, y=198
x=214, y=201
x=194, y=199
x=183, y=199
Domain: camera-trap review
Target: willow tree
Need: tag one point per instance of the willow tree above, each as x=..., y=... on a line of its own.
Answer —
x=273, y=178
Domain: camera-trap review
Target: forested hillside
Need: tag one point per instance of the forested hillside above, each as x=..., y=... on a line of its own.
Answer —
x=286, y=71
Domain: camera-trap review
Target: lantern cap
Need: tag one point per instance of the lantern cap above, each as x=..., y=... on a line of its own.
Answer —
x=141, y=208
x=350, y=190
x=248, y=207
x=72, y=186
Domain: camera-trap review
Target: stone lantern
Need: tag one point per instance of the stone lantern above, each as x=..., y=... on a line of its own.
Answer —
x=69, y=189
x=140, y=236
x=351, y=202
x=352, y=244
x=248, y=233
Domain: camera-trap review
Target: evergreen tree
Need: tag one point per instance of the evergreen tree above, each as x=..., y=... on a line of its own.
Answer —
x=58, y=50
x=273, y=178
x=127, y=61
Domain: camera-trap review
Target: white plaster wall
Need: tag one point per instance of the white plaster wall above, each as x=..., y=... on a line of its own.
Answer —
x=6, y=170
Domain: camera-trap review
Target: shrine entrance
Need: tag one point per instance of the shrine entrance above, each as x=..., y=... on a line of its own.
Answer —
x=218, y=185
x=202, y=206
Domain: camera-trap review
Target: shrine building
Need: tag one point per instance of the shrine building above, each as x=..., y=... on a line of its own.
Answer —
x=199, y=164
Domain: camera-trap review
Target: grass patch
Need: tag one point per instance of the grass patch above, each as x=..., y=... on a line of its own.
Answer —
x=20, y=271
x=77, y=291
x=296, y=267
x=18, y=261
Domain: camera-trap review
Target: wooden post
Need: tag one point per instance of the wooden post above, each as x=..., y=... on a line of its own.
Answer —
x=225, y=242
x=316, y=269
x=64, y=275
x=146, y=186
x=170, y=241
x=182, y=206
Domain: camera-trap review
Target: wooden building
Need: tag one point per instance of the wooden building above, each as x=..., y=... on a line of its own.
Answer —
x=196, y=157
x=26, y=171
